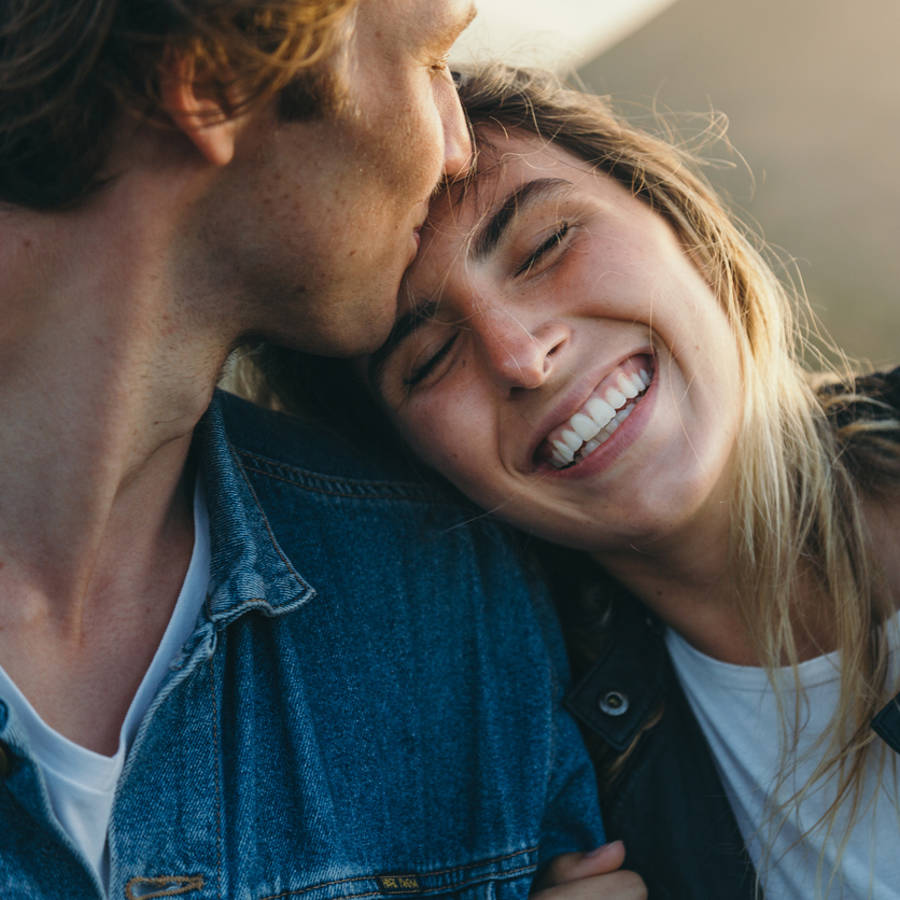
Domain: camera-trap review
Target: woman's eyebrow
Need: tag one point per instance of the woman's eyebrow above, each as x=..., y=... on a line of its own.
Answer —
x=405, y=325
x=486, y=239
x=489, y=234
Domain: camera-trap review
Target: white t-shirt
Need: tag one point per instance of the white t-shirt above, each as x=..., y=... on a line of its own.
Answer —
x=82, y=783
x=735, y=706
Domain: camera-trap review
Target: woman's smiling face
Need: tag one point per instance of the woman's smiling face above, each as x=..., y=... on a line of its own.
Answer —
x=560, y=358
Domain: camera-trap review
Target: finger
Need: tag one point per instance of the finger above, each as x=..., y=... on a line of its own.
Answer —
x=620, y=885
x=572, y=866
x=606, y=858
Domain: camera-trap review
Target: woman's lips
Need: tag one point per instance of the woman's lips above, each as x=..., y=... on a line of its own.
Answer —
x=610, y=403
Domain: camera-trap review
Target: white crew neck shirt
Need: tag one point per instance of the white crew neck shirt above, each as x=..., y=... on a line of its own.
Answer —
x=736, y=709
x=80, y=782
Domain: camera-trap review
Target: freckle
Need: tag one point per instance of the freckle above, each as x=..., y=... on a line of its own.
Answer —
x=352, y=252
x=27, y=242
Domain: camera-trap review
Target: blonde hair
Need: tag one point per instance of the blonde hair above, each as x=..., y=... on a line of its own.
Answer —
x=806, y=458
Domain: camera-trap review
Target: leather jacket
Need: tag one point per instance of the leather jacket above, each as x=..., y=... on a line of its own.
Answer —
x=659, y=788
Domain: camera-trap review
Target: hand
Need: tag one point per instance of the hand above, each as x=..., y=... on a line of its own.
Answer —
x=590, y=876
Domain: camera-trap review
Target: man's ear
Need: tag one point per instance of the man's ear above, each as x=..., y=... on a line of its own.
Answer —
x=197, y=110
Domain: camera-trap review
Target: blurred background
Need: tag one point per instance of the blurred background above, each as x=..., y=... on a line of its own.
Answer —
x=812, y=92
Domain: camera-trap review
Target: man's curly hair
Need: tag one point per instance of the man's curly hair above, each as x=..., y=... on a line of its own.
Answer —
x=69, y=69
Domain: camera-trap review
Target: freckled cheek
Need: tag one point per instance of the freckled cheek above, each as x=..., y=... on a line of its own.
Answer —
x=449, y=441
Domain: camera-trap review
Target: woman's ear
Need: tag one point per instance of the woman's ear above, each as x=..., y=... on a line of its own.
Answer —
x=197, y=109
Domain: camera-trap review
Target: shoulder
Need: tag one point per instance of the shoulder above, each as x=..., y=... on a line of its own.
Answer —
x=258, y=433
x=368, y=524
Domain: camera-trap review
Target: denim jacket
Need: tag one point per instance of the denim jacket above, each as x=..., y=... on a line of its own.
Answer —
x=369, y=705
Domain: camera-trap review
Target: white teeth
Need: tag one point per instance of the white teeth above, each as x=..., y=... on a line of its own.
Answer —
x=616, y=399
x=571, y=439
x=587, y=430
x=626, y=387
x=599, y=410
x=563, y=452
x=584, y=426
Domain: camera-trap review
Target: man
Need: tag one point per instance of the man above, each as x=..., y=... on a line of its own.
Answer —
x=235, y=661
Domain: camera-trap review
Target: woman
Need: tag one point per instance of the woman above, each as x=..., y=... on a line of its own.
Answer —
x=590, y=349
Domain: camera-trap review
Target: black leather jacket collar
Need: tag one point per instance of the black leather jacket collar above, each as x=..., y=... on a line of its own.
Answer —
x=665, y=799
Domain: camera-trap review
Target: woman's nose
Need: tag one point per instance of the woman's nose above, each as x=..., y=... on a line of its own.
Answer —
x=519, y=354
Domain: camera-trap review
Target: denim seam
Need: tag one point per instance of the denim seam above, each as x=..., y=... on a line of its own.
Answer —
x=485, y=862
x=216, y=755
x=191, y=883
x=412, y=497
x=317, y=482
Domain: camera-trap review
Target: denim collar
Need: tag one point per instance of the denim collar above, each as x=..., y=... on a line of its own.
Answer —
x=248, y=570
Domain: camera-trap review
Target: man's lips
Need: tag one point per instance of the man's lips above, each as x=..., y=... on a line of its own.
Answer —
x=594, y=420
x=416, y=235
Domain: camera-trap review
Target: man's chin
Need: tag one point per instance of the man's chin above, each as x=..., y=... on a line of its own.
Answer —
x=342, y=339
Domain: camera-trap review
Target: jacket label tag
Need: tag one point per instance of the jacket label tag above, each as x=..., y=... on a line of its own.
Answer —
x=398, y=884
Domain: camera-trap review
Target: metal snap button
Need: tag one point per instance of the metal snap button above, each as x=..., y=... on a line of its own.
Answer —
x=613, y=703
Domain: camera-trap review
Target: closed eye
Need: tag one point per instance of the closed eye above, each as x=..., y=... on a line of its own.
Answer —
x=422, y=371
x=546, y=247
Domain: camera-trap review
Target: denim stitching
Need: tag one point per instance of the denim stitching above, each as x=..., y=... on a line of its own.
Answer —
x=242, y=469
x=494, y=859
x=318, y=482
x=308, y=476
x=490, y=876
x=215, y=709
x=343, y=490
x=191, y=883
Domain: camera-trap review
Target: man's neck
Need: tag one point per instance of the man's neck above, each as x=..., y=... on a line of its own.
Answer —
x=104, y=372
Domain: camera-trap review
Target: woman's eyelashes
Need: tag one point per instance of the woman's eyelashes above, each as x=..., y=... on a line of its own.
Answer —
x=428, y=360
x=423, y=368
x=544, y=251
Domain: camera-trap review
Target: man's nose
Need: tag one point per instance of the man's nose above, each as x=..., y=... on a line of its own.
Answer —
x=519, y=355
x=457, y=140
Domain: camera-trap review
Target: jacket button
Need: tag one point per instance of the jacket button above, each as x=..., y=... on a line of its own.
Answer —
x=613, y=703
x=5, y=761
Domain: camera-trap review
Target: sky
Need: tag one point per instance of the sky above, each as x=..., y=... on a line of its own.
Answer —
x=561, y=34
